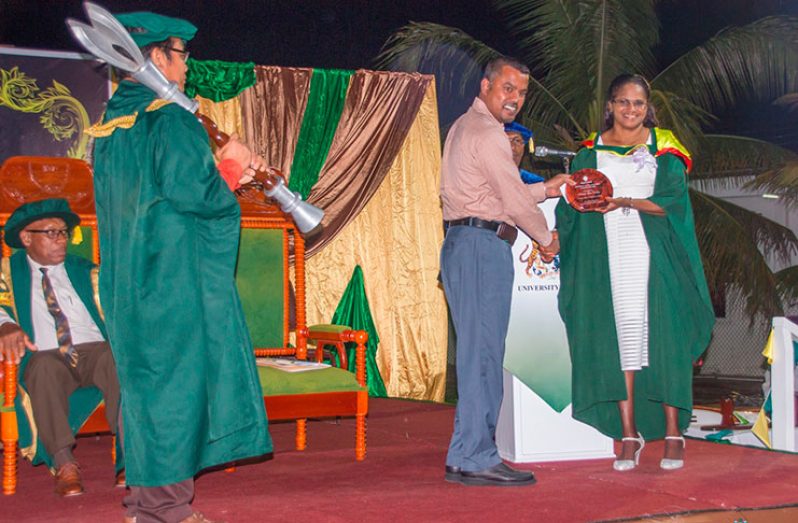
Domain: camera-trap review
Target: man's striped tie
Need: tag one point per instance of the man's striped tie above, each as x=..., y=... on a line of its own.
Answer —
x=61, y=323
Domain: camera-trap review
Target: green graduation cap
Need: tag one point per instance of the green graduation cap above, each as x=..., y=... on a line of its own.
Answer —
x=146, y=27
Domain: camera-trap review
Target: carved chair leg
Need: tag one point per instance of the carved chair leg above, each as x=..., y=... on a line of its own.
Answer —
x=10, y=433
x=360, y=437
x=301, y=434
x=9, y=467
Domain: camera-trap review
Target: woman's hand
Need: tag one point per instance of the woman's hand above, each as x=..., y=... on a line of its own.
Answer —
x=612, y=204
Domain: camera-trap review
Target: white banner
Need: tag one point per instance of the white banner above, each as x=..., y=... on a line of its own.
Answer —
x=535, y=422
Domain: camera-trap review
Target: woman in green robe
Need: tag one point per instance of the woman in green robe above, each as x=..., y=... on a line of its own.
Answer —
x=633, y=294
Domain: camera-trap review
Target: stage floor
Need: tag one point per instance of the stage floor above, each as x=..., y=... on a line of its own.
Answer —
x=402, y=480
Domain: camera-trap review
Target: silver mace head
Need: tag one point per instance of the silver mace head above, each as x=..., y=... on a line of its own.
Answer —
x=109, y=41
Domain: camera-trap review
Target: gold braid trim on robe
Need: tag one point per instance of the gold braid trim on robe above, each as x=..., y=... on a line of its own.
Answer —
x=95, y=287
x=157, y=104
x=102, y=130
x=29, y=452
x=6, y=285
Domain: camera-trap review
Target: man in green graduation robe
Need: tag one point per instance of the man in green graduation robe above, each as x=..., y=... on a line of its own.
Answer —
x=169, y=230
x=56, y=394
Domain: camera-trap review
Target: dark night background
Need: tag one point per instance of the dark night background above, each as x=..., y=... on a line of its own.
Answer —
x=348, y=34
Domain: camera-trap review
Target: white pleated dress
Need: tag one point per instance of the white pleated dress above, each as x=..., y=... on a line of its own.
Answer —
x=632, y=176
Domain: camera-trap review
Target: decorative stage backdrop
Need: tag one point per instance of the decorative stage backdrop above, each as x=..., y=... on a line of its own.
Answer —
x=47, y=99
x=364, y=146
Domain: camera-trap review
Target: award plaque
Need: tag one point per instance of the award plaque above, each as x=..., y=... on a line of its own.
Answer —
x=590, y=192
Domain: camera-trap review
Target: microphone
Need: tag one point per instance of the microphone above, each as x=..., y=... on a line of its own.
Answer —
x=542, y=151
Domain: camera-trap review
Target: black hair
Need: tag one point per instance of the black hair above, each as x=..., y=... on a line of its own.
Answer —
x=495, y=66
x=619, y=81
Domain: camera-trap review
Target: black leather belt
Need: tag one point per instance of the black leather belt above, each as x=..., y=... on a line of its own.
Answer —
x=503, y=230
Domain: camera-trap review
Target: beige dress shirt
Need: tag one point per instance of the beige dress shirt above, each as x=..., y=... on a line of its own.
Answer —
x=480, y=179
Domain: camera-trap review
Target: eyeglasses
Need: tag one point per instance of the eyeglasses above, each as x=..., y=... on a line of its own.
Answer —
x=517, y=141
x=624, y=103
x=182, y=52
x=52, y=233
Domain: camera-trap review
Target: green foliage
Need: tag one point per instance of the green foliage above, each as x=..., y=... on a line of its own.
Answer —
x=575, y=49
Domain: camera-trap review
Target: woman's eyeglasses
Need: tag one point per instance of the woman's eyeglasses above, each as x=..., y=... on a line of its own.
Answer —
x=624, y=103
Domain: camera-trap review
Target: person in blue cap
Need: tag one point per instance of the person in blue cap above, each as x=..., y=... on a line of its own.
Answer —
x=169, y=228
x=519, y=141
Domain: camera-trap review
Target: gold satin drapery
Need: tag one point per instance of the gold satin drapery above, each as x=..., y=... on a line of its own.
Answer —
x=226, y=115
x=396, y=239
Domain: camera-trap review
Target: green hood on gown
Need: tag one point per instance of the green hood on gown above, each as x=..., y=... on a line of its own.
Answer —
x=680, y=311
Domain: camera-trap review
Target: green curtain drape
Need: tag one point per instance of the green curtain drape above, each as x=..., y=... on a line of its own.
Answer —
x=218, y=80
x=326, y=98
x=353, y=311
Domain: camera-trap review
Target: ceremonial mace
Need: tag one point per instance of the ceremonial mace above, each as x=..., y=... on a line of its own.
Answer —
x=109, y=41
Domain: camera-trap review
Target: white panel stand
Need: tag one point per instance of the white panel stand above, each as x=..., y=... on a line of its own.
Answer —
x=530, y=431
x=782, y=373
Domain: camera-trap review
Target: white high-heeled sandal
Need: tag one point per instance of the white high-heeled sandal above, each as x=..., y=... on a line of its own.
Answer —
x=672, y=464
x=623, y=465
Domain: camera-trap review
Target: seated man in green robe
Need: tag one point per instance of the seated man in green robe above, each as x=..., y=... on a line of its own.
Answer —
x=51, y=325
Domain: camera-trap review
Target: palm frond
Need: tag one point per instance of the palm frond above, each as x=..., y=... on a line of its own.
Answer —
x=782, y=181
x=455, y=58
x=730, y=239
x=726, y=162
x=787, y=285
x=578, y=47
x=683, y=117
x=789, y=100
x=753, y=62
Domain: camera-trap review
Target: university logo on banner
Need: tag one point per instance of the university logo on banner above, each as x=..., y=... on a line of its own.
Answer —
x=537, y=347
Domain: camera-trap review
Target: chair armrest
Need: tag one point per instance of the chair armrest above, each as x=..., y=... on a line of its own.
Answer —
x=342, y=334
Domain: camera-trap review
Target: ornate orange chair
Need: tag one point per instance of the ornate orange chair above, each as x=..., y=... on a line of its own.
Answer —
x=332, y=392
x=324, y=393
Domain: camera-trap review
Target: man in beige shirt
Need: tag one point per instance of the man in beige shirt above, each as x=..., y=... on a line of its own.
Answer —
x=484, y=200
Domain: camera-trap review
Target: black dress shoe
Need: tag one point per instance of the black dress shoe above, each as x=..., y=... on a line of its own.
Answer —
x=453, y=474
x=498, y=476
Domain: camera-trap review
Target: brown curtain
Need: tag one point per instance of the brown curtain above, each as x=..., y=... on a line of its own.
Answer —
x=379, y=110
x=396, y=239
x=272, y=111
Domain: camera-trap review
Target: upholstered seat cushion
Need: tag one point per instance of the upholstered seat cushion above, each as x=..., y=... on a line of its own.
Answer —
x=328, y=329
x=276, y=382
